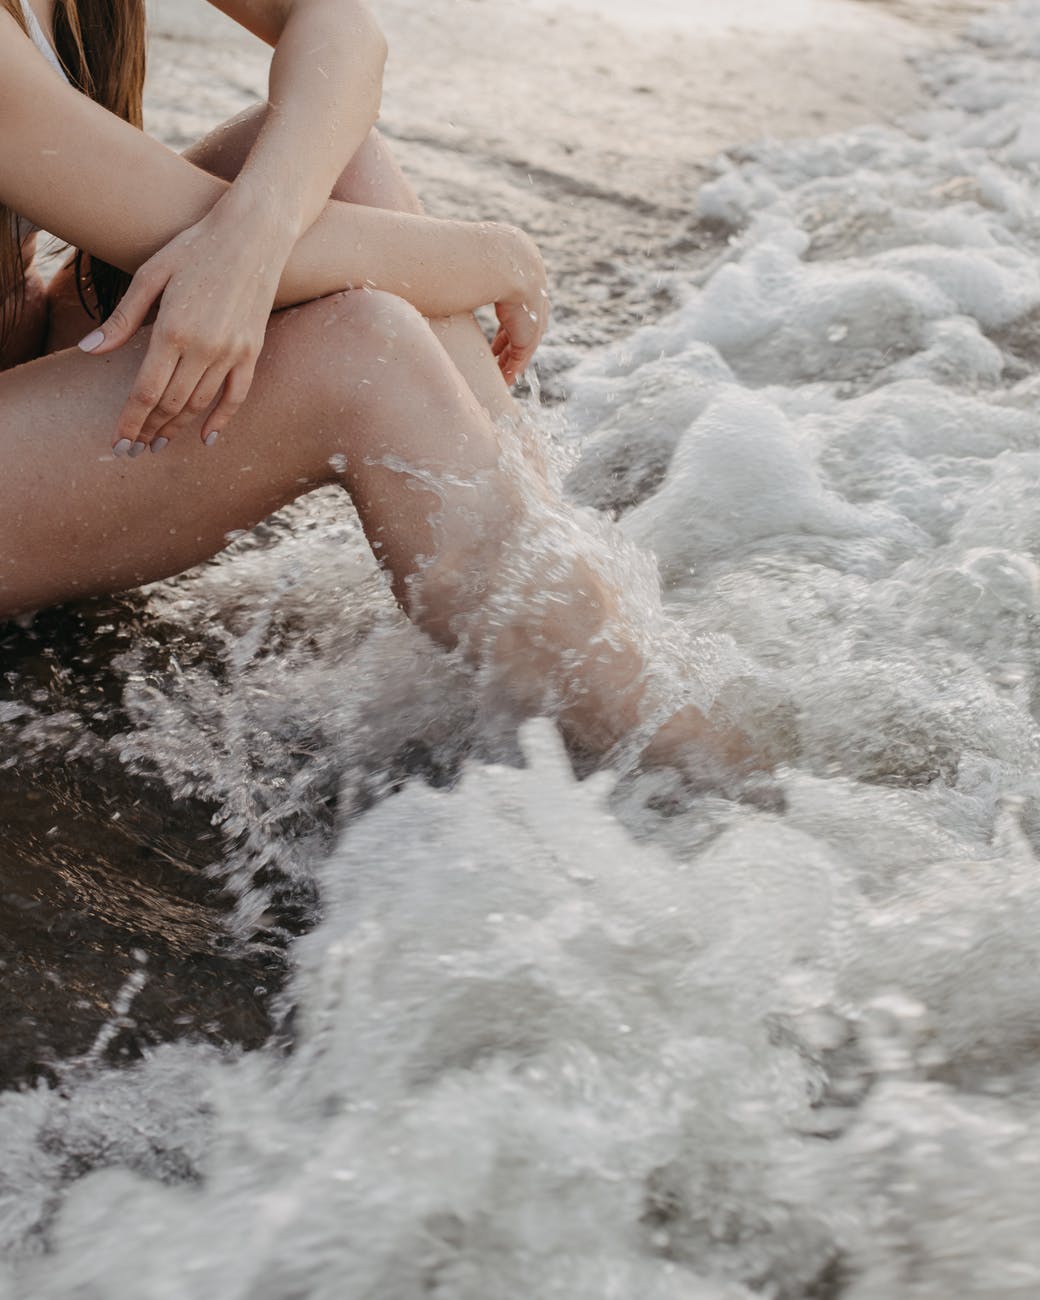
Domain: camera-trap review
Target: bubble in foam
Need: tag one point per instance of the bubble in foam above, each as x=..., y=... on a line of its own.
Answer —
x=740, y=474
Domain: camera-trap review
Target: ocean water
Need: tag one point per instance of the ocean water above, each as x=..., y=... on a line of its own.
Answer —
x=609, y=1038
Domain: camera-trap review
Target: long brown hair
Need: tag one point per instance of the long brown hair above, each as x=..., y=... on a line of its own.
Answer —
x=101, y=45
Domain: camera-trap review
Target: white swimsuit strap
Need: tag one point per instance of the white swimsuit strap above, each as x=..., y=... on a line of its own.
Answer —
x=39, y=38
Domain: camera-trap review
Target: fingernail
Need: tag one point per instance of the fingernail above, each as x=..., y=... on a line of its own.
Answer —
x=122, y=447
x=211, y=437
x=136, y=448
x=159, y=443
x=93, y=340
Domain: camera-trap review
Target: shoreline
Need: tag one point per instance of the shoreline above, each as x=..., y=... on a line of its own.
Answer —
x=593, y=137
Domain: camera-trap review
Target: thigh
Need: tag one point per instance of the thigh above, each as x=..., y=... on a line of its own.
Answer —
x=372, y=177
x=77, y=521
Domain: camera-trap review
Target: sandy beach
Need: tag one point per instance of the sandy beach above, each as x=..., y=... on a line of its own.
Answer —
x=592, y=123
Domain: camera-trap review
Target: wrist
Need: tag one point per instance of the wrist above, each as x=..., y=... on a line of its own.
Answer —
x=523, y=263
x=270, y=228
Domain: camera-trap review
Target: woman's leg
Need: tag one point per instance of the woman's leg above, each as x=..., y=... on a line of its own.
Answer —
x=357, y=377
x=354, y=388
x=373, y=178
x=424, y=466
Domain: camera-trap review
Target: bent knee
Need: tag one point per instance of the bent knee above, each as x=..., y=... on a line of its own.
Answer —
x=359, y=324
x=350, y=349
x=365, y=311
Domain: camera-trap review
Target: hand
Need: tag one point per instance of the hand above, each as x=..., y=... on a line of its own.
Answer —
x=214, y=305
x=524, y=315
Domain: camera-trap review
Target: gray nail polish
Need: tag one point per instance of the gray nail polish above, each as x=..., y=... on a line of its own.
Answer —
x=159, y=443
x=211, y=437
x=122, y=447
x=136, y=448
x=93, y=340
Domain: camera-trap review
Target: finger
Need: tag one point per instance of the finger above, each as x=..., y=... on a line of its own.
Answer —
x=131, y=313
x=500, y=343
x=519, y=358
x=236, y=390
x=507, y=365
x=510, y=358
x=171, y=404
x=207, y=390
x=151, y=383
x=183, y=402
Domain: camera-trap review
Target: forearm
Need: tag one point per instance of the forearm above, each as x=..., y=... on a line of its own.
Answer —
x=55, y=143
x=151, y=195
x=326, y=69
x=440, y=267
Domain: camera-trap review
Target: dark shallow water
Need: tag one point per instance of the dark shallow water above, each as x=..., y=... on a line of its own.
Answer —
x=103, y=873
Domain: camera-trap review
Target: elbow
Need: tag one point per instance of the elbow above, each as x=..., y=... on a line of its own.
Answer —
x=376, y=51
x=380, y=49
x=375, y=43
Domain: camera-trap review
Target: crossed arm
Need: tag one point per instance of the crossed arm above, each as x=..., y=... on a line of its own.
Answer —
x=217, y=257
